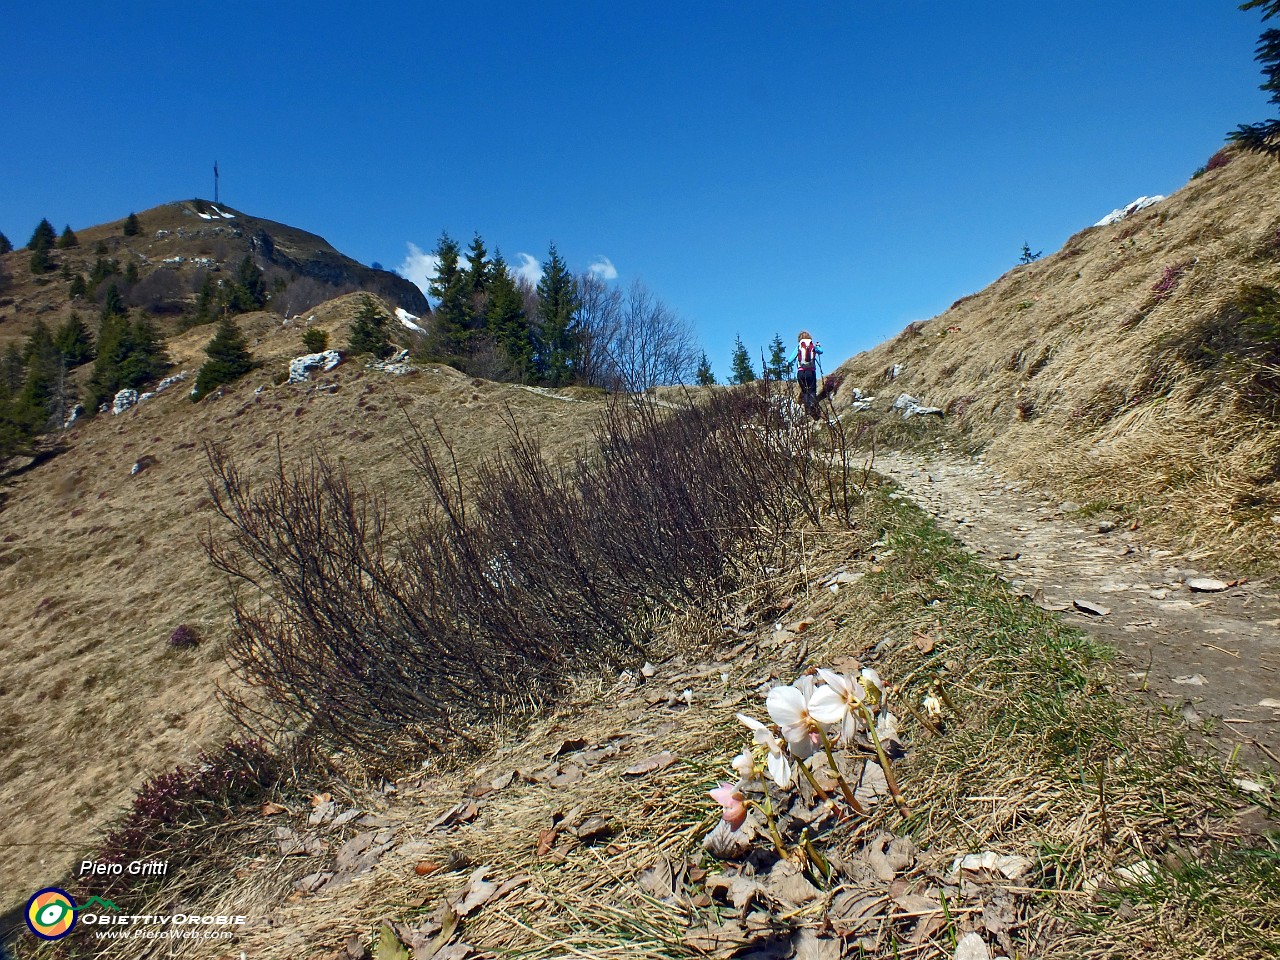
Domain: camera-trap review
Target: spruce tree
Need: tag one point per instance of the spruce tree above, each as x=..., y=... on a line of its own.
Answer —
x=78, y=289
x=451, y=319
x=557, y=306
x=43, y=238
x=369, y=331
x=73, y=341
x=229, y=359
x=741, y=364
x=507, y=322
x=41, y=262
x=68, y=239
x=780, y=365
x=704, y=375
x=131, y=225
x=6, y=245
x=33, y=407
x=1264, y=137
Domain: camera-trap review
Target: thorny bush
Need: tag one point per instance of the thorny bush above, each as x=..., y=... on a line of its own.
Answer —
x=394, y=647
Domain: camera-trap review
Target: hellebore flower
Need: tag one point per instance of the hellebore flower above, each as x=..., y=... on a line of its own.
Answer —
x=799, y=710
x=933, y=707
x=779, y=767
x=734, y=804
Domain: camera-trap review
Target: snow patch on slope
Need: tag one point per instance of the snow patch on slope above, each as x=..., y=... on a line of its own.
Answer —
x=1115, y=216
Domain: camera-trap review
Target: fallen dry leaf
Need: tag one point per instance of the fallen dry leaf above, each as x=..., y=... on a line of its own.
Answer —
x=659, y=761
x=476, y=894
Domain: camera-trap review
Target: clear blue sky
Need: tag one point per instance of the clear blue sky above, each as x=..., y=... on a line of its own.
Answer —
x=843, y=166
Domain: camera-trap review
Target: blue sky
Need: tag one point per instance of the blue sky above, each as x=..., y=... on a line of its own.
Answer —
x=843, y=166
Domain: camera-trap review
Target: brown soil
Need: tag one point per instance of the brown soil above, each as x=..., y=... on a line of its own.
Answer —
x=1213, y=657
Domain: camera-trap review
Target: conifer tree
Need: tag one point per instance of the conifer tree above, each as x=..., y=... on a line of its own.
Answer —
x=369, y=331
x=704, y=376
x=43, y=238
x=507, y=322
x=73, y=341
x=131, y=273
x=41, y=261
x=6, y=245
x=146, y=360
x=451, y=319
x=130, y=352
x=1264, y=137
x=33, y=406
x=250, y=289
x=78, y=289
x=557, y=305
x=229, y=359
x=68, y=239
x=131, y=225
x=743, y=372
x=780, y=365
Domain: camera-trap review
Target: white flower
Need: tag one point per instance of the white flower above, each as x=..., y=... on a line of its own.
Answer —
x=744, y=764
x=875, y=686
x=933, y=707
x=792, y=710
x=779, y=767
x=853, y=696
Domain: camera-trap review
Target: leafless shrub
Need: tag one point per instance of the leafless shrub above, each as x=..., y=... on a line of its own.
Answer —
x=632, y=340
x=397, y=646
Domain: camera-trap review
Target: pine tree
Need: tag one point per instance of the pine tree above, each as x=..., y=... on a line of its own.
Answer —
x=33, y=406
x=68, y=239
x=43, y=238
x=249, y=292
x=704, y=375
x=451, y=319
x=146, y=360
x=741, y=364
x=557, y=305
x=229, y=359
x=78, y=289
x=131, y=225
x=507, y=322
x=315, y=340
x=369, y=331
x=6, y=246
x=73, y=341
x=41, y=262
x=780, y=365
x=1264, y=137
x=131, y=273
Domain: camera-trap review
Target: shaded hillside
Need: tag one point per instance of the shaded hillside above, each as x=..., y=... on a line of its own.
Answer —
x=178, y=247
x=1136, y=367
x=99, y=564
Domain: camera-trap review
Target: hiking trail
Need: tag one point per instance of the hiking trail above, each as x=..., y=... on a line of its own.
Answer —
x=1204, y=645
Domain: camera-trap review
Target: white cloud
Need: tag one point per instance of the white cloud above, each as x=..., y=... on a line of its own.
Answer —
x=603, y=269
x=527, y=268
x=419, y=267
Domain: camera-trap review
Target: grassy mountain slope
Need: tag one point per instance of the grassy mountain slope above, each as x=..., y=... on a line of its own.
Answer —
x=178, y=245
x=98, y=566
x=1122, y=369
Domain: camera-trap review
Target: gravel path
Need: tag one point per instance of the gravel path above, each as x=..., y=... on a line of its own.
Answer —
x=1204, y=644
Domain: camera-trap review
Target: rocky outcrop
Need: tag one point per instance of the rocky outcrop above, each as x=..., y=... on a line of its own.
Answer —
x=301, y=368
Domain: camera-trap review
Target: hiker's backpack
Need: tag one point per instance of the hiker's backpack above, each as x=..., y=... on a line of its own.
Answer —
x=807, y=354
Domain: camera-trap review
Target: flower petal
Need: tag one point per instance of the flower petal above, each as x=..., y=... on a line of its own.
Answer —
x=786, y=705
x=780, y=770
x=827, y=706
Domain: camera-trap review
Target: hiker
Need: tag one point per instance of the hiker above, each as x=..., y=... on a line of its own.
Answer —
x=807, y=353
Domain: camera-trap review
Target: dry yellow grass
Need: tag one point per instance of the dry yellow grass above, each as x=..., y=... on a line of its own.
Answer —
x=97, y=567
x=1076, y=374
